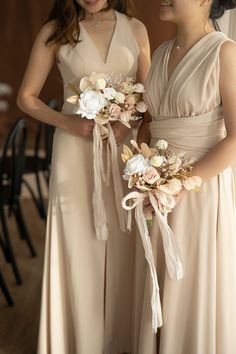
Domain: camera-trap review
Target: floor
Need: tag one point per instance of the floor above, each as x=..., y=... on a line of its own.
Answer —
x=19, y=324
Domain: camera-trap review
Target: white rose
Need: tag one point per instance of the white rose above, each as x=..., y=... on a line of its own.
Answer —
x=157, y=161
x=162, y=144
x=136, y=164
x=139, y=88
x=90, y=104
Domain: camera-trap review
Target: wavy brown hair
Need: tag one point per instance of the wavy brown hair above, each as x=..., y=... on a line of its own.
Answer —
x=66, y=15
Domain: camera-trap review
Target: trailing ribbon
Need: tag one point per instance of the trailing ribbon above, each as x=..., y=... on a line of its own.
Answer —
x=100, y=217
x=172, y=254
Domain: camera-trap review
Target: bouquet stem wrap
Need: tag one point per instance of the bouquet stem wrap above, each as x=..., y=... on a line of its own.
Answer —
x=100, y=217
x=172, y=254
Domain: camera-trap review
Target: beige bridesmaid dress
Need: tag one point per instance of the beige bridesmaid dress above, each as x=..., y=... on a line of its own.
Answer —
x=87, y=283
x=199, y=311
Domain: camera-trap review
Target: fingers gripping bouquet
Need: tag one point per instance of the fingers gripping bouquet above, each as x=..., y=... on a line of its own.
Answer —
x=107, y=98
x=159, y=174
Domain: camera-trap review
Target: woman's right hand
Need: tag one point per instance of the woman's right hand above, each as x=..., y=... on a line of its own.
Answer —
x=75, y=125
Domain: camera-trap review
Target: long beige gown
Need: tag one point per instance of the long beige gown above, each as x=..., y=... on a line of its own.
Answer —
x=199, y=311
x=87, y=283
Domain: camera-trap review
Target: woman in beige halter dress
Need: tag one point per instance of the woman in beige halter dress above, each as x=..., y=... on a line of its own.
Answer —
x=87, y=283
x=190, y=92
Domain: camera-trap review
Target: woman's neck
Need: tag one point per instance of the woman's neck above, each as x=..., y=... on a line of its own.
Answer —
x=101, y=15
x=189, y=33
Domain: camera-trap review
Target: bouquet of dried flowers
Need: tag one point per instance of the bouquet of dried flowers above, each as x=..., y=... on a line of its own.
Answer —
x=159, y=174
x=106, y=98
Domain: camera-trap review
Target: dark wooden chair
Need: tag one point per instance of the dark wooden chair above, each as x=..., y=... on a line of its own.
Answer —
x=39, y=163
x=5, y=290
x=11, y=169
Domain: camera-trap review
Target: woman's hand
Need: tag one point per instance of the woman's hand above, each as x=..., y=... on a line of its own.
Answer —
x=120, y=132
x=179, y=196
x=75, y=125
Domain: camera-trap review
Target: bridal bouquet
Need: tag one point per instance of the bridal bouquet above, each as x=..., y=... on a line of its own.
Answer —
x=159, y=174
x=106, y=98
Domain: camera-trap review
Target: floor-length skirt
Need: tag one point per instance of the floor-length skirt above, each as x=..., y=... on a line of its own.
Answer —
x=199, y=311
x=87, y=284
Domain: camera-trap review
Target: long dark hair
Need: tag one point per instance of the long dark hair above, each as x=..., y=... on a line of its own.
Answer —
x=218, y=8
x=66, y=15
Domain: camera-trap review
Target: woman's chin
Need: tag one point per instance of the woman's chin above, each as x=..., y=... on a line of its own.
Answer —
x=166, y=17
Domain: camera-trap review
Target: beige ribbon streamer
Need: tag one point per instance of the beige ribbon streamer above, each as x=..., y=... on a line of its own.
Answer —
x=99, y=210
x=172, y=254
x=100, y=174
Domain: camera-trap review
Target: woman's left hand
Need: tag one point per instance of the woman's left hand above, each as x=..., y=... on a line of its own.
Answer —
x=120, y=132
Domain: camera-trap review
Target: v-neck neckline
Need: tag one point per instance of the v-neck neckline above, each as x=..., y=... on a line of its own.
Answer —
x=111, y=42
x=168, y=78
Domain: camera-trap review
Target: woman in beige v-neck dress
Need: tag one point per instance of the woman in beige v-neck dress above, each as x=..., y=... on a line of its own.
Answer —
x=88, y=283
x=190, y=92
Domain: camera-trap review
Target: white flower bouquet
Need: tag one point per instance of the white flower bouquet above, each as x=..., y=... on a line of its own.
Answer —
x=160, y=174
x=106, y=98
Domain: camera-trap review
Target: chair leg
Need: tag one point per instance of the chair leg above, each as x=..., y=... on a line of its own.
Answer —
x=22, y=227
x=5, y=291
x=4, y=250
x=40, y=198
x=9, y=248
x=35, y=199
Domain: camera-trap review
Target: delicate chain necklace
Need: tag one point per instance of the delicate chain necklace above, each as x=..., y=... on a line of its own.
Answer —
x=95, y=24
x=179, y=47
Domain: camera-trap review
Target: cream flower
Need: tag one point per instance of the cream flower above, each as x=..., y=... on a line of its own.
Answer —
x=120, y=97
x=151, y=175
x=100, y=84
x=157, y=161
x=193, y=182
x=175, y=162
x=162, y=144
x=90, y=104
x=138, y=88
x=141, y=107
x=173, y=187
x=85, y=83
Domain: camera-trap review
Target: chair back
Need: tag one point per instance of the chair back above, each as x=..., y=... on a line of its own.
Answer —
x=12, y=159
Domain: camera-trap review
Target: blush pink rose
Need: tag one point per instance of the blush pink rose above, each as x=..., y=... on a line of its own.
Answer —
x=114, y=111
x=151, y=175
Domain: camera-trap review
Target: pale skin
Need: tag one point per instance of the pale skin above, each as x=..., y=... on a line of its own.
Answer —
x=43, y=57
x=189, y=30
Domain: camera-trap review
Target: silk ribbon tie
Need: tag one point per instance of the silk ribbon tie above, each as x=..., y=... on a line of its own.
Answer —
x=174, y=264
x=102, y=174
